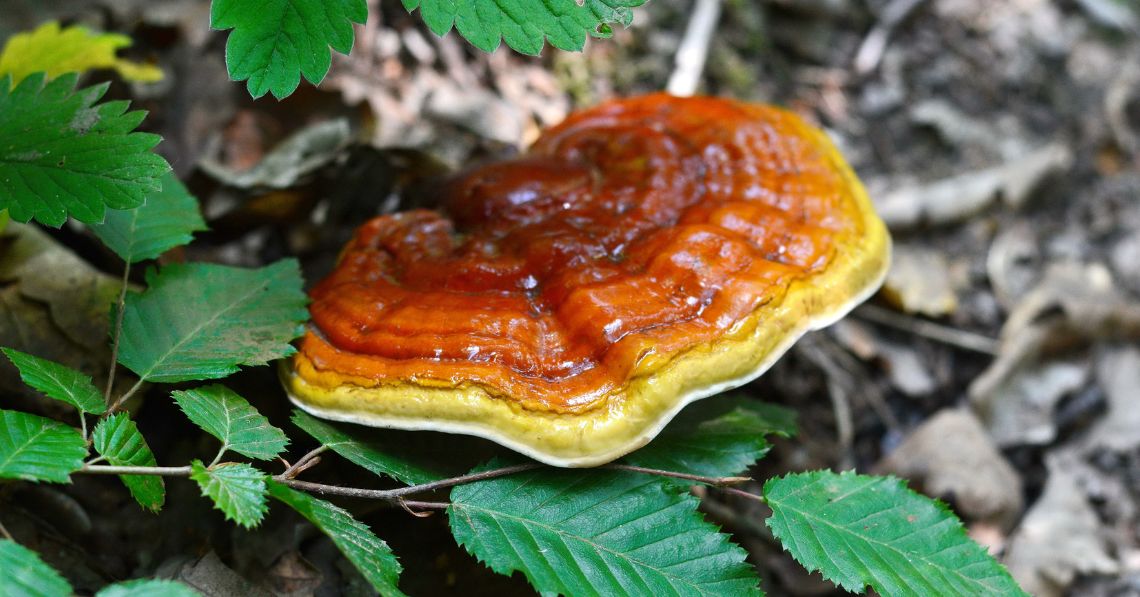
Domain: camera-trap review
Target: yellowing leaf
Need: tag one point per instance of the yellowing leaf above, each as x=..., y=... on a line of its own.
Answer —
x=75, y=49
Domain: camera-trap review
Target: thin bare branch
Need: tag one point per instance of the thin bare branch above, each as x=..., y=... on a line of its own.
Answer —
x=163, y=471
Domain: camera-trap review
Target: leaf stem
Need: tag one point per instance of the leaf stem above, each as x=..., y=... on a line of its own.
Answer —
x=218, y=457
x=115, y=335
x=745, y=494
x=125, y=396
x=5, y=534
x=714, y=481
x=424, y=505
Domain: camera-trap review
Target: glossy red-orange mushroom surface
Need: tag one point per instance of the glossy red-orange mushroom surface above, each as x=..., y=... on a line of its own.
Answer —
x=645, y=253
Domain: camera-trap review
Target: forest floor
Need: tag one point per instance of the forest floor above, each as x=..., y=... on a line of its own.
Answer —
x=998, y=370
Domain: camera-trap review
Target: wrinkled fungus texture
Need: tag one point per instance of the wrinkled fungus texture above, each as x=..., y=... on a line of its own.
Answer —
x=626, y=236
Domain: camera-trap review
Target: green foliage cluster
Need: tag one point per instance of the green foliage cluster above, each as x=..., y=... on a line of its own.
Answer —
x=633, y=528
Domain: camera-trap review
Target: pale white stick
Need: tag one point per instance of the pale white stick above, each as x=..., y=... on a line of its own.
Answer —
x=694, y=48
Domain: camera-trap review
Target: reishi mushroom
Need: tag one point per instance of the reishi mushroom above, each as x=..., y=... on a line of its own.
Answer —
x=644, y=254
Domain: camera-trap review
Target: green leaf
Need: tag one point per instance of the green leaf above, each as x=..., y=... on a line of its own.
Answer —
x=60, y=154
x=859, y=530
x=72, y=49
x=26, y=575
x=718, y=437
x=58, y=381
x=275, y=42
x=37, y=449
x=146, y=587
x=598, y=532
x=524, y=24
x=167, y=219
x=371, y=556
x=118, y=439
x=224, y=414
x=367, y=450
x=237, y=489
x=201, y=321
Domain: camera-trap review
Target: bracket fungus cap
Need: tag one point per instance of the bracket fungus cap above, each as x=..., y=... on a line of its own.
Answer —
x=567, y=304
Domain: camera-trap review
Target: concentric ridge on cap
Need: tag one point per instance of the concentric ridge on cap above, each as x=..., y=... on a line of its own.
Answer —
x=567, y=304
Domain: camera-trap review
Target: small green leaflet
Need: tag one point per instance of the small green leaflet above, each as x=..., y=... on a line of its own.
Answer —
x=61, y=155
x=37, y=449
x=167, y=219
x=365, y=451
x=201, y=321
x=716, y=437
x=118, y=439
x=237, y=489
x=524, y=24
x=371, y=556
x=598, y=532
x=275, y=42
x=146, y=587
x=859, y=530
x=58, y=381
x=26, y=575
x=224, y=414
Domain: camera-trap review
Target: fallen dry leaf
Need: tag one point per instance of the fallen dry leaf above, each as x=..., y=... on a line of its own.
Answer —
x=956, y=198
x=919, y=281
x=1059, y=538
x=951, y=457
x=1118, y=374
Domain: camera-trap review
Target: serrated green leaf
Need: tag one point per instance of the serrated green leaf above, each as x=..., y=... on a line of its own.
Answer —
x=859, y=531
x=224, y=414
x=201, y=321
x=72, y=49
x=61, y=154
x=117, y=439
x=371, y=556
x=598, y=532
x=26, y=575
x=524, y=24
x=237, y=489
x=275, y=42
x=147, y=587
x=367, y=450
x=34, y=448
x=716, y=437
x=166, y=220
x=58, y=381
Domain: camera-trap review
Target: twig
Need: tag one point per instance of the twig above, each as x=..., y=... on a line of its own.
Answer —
x=928, y=329
x=5, y=534
x=116, y=333
x=303, y=463
x=714, y=481
x=392, y=494
x=694, y=48
x=397, y=495
x=875, y=44
x=163, y=471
